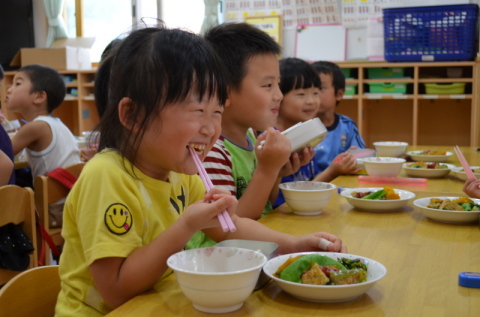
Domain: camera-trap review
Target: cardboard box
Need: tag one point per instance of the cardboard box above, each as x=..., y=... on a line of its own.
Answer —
x=64, y=54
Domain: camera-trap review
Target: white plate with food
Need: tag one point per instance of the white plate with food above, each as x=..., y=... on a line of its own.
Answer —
x=430, y=155
x=295, y=286
x=358, y=198
x=459, y=172
x=427, y=169
x=450, y=212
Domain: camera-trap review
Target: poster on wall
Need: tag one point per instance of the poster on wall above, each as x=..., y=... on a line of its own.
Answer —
x=272, y=25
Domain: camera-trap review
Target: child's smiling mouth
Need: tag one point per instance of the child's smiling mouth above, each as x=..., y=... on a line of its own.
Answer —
x=199, y=148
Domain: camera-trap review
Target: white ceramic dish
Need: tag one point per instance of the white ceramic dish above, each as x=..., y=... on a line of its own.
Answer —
x=377, y=205
x=326, y=293
x=461, y=175
x=217, y=279
x=390, y=148
x=269, y=249
x=447, y=216
x=427, y=172
x=308, y=133
x=417, y=156
x=383, y=166
x=307, y=198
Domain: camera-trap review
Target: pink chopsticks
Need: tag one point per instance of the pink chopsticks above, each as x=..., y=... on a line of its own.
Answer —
x=223, y=217
x=393, y=180
x=463, y=161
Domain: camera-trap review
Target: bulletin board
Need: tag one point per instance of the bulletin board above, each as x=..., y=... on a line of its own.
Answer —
x=326, y=42
x=270, y=24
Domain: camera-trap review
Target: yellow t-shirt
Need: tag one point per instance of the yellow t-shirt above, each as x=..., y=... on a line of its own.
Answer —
x=110, y=213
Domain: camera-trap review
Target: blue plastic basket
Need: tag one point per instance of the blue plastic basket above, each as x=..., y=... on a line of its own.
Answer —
x=439, y=33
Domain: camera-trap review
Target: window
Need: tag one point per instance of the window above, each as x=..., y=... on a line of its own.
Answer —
x=175, y=15
x=107, y=19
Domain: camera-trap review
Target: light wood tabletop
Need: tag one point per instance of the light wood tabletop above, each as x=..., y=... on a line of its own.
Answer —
x=423, y=259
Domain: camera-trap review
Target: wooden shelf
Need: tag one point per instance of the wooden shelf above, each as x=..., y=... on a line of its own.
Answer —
x=416, y=117
x=78, y=111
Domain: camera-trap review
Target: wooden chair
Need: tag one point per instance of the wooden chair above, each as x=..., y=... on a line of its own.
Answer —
x=49, y=191
x=31, y=293
x=17, y=207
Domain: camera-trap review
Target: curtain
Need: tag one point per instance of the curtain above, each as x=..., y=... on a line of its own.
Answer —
x=56, y=25
x=211, y=15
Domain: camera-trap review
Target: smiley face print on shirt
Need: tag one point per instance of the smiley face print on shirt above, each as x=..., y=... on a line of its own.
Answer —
x=118, y=219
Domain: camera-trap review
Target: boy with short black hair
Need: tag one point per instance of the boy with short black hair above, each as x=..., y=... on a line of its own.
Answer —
x=235, y=163
x=35, y=93
x=342, y=131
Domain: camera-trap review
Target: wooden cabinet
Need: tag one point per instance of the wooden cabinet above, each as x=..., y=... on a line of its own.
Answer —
x=416, y=117
x=78, y=111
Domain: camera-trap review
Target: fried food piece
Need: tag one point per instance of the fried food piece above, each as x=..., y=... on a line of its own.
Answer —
x=315, y=276
x=346, y=277
x=447, y=204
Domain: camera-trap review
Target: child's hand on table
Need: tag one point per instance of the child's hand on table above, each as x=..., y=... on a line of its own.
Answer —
x=316, y=242
x=344, y=163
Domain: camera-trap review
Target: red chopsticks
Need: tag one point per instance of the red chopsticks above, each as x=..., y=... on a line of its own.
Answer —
x=463, y=161
x=223, y=217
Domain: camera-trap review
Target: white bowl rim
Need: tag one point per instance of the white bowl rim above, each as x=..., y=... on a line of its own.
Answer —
x=384, y=160
x=390, y=143
x=329, y=254
x=459, y=169
x=451, y=167
x=170, y=258
x=475, y=200
x=331, y=186
x=412, y=154
x=374, y=189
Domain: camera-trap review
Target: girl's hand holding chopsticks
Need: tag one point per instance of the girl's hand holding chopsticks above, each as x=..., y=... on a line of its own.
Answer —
x=472, y=188
x=204, y=214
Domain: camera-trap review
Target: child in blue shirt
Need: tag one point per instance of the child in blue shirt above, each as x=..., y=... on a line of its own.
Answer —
x=342, y=131
x=301, y=85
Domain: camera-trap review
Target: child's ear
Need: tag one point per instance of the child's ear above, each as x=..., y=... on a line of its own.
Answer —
x=339, y=95
x=40, y=97
x=227, y=103
x=126, y=111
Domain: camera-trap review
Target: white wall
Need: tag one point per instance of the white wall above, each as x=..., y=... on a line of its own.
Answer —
x=40, y=23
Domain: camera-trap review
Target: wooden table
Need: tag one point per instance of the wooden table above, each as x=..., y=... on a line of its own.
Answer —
x=422, y=257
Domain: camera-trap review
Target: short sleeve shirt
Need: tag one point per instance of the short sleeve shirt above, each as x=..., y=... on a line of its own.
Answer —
x=110, y=212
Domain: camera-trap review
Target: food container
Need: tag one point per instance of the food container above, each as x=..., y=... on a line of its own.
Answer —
x=445, y=89
x=347, y=72
x=389, y=88
x=385, y=72
x=269, y=249
x=350, y=89
x=308, y=133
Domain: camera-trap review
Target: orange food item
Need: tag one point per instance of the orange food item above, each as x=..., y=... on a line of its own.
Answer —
x=391, y=194
x=287, y=263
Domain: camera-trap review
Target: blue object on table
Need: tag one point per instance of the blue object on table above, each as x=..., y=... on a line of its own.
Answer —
x=469, y=279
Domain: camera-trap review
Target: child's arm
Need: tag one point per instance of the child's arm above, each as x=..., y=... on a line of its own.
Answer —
x=249, y=229
x=35, y=135
x=120, y=279
x=271, y=158
x=6, y=168
x=472, y=188
x=343, y=164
